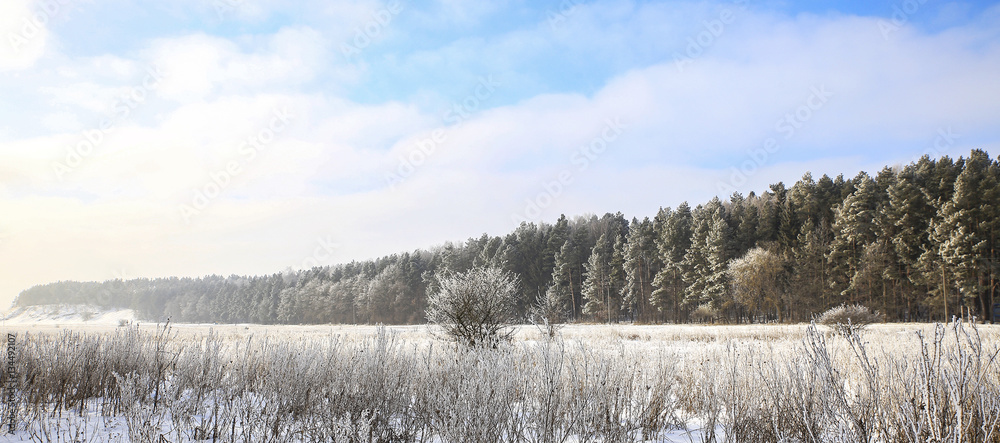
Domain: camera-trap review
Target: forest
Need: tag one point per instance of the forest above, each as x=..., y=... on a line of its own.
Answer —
x=916, y=242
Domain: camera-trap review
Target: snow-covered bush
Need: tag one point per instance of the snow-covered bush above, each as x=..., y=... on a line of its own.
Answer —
x=475, y=307
x=849, y=318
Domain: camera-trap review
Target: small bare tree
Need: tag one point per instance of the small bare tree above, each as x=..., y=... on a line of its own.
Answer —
x=849, y=318
x=548, y=313
x=475, y=307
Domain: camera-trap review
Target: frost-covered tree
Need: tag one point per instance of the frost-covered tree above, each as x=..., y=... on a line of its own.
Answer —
x=759, y=282
x=673, y=239
x=968, y=230
x=706, y=261
x=475, y=307
x=559, y=294
x=597, y=287
x=854, y=230
x=640, y=265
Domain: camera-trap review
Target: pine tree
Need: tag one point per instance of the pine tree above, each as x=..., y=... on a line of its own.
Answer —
x=673, y=240
x=640, y=263
x=969, y=219
x=719, y=254
x=695, y=264
x=939, y=188
x=854, y=230
x=580, y=248
x=560, y=291
x=557, y=237
x=705, y=262
x=616, y=276
x=910, y=213
x=744, y=219
x=597, y=286
x=809, y=287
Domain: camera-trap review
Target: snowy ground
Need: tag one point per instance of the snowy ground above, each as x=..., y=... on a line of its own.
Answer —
x=692, y=344
x=76, y=315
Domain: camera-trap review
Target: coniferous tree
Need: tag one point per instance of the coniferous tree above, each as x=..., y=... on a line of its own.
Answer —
x=560, y=292
x=640, y=265
x=809, y=287
x=617, y=277
x=695, y=265
x=969, y=219
x=935, y=269
x=672, y=243
x=597, y=287
x=705, y=261
x=854, y=231
x=910, y=213
x=719, y=253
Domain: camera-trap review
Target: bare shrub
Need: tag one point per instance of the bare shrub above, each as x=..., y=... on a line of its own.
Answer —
x=704, y=313
x=475, y=307
x=849, y=318
x=548, y=313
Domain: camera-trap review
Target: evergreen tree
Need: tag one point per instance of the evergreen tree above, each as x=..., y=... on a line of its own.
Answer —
x=705, y=261
x=560, y=292
x=672, y=242
x=910, y=213
x=809, y=287
x=935, y=270
x=640, y=265
x=968, y=223
x=597, y=287
x=719, y=254
x=854, y=231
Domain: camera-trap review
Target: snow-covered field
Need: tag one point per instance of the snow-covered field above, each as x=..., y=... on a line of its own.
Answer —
x=94, y=379
x=69, y=315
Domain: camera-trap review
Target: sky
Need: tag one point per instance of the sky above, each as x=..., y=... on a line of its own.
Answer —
x=197, y=137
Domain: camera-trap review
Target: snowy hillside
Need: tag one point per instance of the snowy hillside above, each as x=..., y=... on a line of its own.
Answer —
x=67, y=314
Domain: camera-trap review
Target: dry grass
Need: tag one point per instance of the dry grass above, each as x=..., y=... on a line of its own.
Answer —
x=899, y=382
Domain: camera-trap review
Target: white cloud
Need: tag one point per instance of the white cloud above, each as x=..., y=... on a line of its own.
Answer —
x=324, y=175
x=23, y=33
x=196, y=66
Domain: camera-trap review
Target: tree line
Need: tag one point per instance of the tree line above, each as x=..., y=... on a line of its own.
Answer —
x=915, y=242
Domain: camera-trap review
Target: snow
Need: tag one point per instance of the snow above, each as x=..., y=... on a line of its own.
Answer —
x=63, y=314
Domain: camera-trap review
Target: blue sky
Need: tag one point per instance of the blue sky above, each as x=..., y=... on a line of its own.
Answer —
x=246, y=136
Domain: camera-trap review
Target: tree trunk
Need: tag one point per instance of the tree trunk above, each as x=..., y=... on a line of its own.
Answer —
x=572, y=293
x=944, y=291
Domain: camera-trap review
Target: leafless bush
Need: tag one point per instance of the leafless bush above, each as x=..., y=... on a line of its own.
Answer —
x=704, y=313
x=548, y=313
x=475, y=307
x=848, y=319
